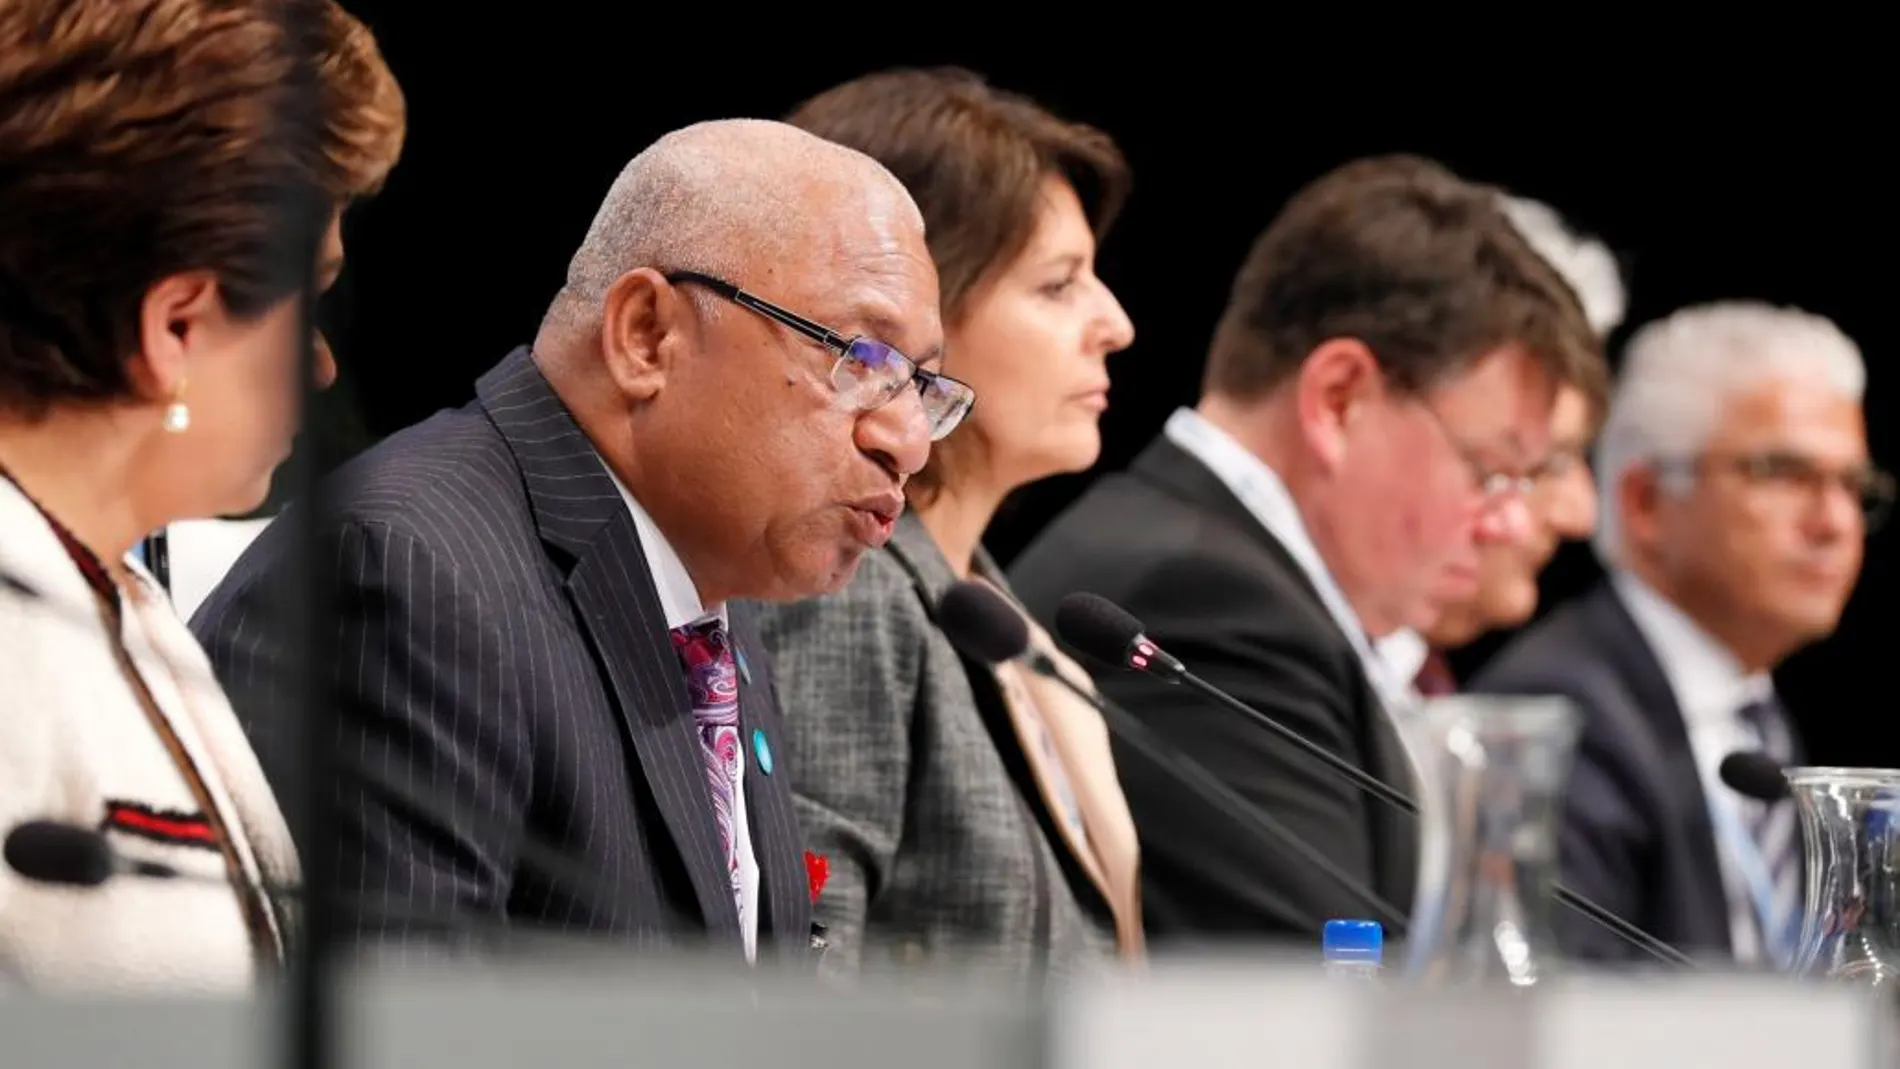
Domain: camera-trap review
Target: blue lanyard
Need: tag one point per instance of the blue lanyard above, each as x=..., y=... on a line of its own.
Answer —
x=1754, y=869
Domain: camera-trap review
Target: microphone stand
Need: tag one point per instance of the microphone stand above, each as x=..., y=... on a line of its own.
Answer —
x=1139, y=736
x=1616, y=925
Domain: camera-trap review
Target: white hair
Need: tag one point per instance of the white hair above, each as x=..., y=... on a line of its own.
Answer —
x=715, y=196
x=1679, y=373
x=1585, y=263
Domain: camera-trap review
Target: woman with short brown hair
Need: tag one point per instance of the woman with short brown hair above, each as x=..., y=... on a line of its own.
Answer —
x=970, y=816
x=165, y=188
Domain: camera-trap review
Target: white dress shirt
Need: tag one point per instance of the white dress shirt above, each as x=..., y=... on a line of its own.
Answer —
x=1404, y=652
x=1711, y=689
x=1261, y=490
x=201, y=552
x=679, y=600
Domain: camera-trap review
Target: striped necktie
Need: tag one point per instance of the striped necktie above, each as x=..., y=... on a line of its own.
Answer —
x=1777, y=834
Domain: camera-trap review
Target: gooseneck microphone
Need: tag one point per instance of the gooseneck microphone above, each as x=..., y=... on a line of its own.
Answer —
x=1111, y=634
x=986, y=628
x=1756, y=775
x=1108, y=633
x=980, y=624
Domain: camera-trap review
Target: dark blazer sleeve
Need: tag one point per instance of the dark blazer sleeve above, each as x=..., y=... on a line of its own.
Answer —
x=849, y=666
x=1205, y=870
x=435, y=780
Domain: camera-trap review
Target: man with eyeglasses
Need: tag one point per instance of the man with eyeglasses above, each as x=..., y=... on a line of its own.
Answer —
x=1560, y=497
x=1376, y=397
x=541, y=649
x=1736, y=494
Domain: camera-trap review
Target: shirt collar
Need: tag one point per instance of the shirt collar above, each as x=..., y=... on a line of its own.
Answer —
x=679, y=595
x=1708, y=682
x=1405, y=651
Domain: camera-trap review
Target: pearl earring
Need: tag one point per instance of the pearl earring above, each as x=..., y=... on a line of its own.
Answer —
x=178, y=414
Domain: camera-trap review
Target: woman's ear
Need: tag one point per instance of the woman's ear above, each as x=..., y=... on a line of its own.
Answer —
x=178, y=313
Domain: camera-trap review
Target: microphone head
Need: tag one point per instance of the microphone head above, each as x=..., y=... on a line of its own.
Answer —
x=981, y=624
x=51, y=852
x=1110, y=634
x=1756, y=775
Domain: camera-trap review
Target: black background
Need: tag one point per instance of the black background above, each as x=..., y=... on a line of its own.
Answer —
x=1725, y=180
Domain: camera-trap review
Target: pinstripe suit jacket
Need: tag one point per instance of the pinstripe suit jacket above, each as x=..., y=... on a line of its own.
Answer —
x=503, y=667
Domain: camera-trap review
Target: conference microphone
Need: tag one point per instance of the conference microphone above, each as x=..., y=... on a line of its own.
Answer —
x=1112, y=635
x=1756, y=775
x=1106, y=632
x=986, y=628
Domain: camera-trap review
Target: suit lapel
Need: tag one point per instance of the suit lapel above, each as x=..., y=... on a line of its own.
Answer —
x=1179, y=474
x=1655, y=700
x=1003, y=714
x=784, y=890
x=1616, y=630
x=619, y=607
x=580, y=514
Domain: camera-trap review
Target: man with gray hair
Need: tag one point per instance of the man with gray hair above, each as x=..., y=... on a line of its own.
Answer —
x=536, y=594
x=1736, y=494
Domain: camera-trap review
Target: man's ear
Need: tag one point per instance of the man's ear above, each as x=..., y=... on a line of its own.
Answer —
x=645, y=325
x=179, y=313
x=1336, y=383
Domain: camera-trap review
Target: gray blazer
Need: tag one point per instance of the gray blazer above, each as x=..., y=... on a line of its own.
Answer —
x=906, y=777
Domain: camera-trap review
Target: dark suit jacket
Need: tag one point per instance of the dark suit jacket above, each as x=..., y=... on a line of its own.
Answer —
x=501, y=650
x=1636, y=834
x=1169, y=542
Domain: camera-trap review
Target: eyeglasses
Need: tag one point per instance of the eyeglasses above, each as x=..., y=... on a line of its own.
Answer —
x=1494, y=485
x=1871, y=489
x=1557, y=464
x=868, y=373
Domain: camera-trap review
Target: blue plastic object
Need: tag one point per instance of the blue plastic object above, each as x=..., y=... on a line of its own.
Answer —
x=1354, y=941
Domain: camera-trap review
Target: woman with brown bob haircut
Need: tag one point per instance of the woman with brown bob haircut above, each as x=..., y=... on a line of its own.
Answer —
x=970, y=816
x=165, y=189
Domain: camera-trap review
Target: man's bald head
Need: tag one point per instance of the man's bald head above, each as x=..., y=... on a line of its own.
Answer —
x=684, y=386
x=721, y=197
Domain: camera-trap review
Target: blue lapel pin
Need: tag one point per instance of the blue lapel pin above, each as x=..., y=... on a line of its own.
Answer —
x=745, y=670
x=764, y=751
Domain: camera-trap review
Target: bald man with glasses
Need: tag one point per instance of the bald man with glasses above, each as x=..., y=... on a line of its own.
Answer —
x=540, y=631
